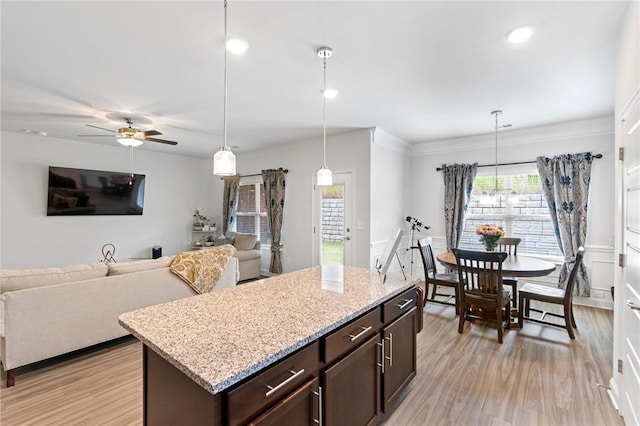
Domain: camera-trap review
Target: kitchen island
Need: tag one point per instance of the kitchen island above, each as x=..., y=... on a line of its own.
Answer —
x=301, y=345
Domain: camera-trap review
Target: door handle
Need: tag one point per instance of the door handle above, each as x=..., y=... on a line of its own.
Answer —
x=633, y=306
x=347, y=238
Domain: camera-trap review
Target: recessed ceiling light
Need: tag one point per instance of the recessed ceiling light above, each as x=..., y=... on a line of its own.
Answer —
x=330, y=93
x=520, y=34
x=35, y=132
x=237, y=46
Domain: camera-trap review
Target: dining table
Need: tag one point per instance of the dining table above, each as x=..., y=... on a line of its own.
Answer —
x=513, y=265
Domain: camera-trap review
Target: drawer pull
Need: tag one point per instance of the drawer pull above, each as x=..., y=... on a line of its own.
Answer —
x=406, y=303
x=364, y=331
x=273, y=389
x=381, y=365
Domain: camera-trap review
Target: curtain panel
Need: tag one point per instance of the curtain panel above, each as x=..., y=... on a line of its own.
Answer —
x=565, y=183
x=274, y=183
x=229, y=201
x=458, y=184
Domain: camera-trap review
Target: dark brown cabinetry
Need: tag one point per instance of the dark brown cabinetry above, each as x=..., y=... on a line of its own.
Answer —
x=350, y=376
x=351, y=391
x=302, y=407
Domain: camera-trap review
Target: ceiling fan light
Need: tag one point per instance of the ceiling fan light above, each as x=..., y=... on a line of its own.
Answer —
x=325, y=177
x=330, y=93
x=237, y=46
x=129, y=141
x=520, y=34
x=224, y=162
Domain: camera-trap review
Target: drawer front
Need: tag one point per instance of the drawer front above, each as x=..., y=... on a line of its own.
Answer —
x=397, y=306
x=350, y=336
x=261, y=392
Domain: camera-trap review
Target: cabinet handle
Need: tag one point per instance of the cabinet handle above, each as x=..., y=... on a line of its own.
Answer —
x=633, y=306
x=364, y=330
x=273, y=389
x=381, y=365
x=405, y=304
x=319, y=395
x=390, y=357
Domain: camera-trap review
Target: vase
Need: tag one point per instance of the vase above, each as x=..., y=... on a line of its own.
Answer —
x=490, y=244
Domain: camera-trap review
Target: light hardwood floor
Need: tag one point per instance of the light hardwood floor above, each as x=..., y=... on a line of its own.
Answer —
x=537, y=377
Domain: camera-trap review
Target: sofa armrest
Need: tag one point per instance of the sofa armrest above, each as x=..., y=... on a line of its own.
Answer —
x=257, y=246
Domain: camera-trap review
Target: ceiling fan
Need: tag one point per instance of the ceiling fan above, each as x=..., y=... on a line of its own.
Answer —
x=128, y=136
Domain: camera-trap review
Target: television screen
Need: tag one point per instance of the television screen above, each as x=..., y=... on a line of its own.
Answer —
x=94, y=192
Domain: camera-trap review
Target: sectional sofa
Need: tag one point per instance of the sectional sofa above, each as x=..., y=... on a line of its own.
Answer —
x=49, y=312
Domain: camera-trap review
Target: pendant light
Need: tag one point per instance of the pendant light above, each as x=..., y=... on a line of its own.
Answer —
x=325, y=177
x=491, y=197
x=224, y=161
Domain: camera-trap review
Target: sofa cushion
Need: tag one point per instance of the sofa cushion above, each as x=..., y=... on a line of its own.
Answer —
x=245, y=241
x=247, y=254
x=20, y=279
x=138, y=265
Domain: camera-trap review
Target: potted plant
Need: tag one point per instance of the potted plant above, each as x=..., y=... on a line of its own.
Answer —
x=199, y=221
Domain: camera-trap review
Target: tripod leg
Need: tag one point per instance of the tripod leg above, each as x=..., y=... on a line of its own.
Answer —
x=401, y=267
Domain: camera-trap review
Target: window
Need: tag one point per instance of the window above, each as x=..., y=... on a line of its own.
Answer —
x=527, y=218
x=251, y=216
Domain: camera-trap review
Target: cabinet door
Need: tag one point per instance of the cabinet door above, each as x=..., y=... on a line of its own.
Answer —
x=400, y=357
x=301, y=408
x=351, y=387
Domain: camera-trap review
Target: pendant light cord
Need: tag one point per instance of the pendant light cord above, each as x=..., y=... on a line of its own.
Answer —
x=225, y=78
x=324, y=114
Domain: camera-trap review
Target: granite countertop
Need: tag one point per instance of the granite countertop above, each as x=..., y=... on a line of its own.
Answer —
x=220, y=338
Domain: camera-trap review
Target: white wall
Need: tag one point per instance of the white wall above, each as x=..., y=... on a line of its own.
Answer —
x=349, y=151
x=390, y=195
x=175, y=186
x=524, y=145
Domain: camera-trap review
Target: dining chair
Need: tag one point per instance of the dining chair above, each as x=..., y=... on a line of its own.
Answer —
x=557, y=296
x=509, y=245
x=433, y=278
x=482, y=296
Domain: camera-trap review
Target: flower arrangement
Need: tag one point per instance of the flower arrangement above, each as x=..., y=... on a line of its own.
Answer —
x=489, y=235
x=200, y=222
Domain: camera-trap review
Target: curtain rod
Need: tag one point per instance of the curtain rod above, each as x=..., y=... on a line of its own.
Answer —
x=439, y=169
x=260, y=174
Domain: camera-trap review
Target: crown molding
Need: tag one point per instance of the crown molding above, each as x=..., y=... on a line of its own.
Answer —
x=389, y=141
x=581, y=128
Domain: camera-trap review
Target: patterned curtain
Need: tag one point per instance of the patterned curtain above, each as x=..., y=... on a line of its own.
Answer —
x=458, y=184
x=273, y=182
x=229, y=201
x=565, y=182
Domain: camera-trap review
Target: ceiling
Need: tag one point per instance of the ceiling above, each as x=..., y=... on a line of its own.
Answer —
x=421, y=70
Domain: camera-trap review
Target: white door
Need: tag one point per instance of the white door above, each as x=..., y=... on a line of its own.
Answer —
x=630, y=404
x=333, y=222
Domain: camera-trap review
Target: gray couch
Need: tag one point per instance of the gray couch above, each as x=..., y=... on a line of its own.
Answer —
x=49, y=312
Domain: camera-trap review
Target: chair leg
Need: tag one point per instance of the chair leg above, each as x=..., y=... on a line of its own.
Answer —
x=568, y=319
x=521, y=302
x=461, y=315
x=527, y=306
x=435, y=290
x=499, y=323
x=573, y=318
x=514, y=295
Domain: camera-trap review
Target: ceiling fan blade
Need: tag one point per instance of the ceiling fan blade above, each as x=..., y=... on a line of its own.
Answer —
x=151, y=133
x=101, y=128
x=160, y=140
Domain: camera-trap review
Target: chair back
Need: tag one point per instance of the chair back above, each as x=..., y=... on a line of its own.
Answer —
x=509, y=245
x=568, y=295
x=428, y=261
x=480, y=273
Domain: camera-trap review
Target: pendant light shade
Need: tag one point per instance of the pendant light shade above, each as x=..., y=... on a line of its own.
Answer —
x=224, y=162
x=324, y=177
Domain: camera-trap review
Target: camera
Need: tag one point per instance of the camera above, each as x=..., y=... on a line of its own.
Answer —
x=415, y=223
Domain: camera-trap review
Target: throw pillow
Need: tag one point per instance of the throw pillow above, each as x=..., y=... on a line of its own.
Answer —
x=245, y=241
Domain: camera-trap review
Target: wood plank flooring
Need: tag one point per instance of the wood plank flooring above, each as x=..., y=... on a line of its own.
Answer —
x=537, y=377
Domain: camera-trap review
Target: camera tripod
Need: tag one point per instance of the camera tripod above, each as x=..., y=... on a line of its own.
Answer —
x=413, y=246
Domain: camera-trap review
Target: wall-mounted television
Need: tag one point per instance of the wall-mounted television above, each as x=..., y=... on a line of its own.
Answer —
x=94, y=192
